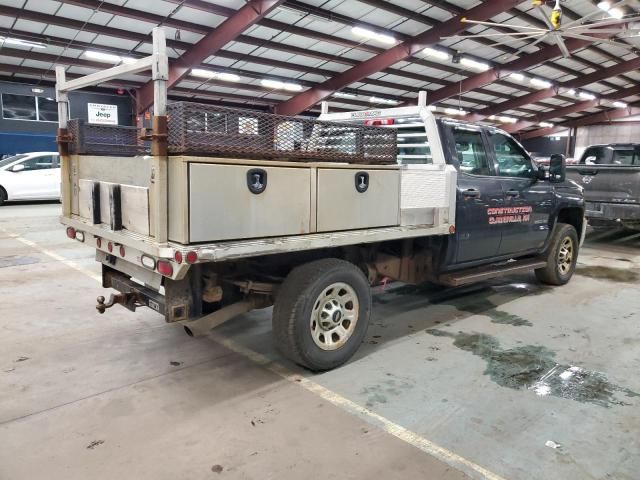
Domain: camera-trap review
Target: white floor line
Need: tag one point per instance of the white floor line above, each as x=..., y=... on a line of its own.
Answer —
x=454, y=460
x=53, y=255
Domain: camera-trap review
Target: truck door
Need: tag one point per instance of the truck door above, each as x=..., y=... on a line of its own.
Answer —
x=529, y=202
x=478, y=191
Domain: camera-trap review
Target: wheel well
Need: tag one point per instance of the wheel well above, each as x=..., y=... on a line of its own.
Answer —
x=3, y=193
x=572, y=216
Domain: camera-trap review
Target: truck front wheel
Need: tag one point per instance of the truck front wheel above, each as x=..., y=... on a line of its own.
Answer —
x=321, y=313
x=562, y=256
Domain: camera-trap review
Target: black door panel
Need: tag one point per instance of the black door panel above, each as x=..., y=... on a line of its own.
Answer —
x=478, y=191
x=529, y=202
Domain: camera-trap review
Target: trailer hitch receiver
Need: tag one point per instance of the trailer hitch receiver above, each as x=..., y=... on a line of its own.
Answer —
x=129, y=300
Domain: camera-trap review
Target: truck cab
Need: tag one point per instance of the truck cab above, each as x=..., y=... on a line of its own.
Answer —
x=506, y=206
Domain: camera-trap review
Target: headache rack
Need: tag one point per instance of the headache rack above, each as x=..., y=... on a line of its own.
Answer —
x=208, y=130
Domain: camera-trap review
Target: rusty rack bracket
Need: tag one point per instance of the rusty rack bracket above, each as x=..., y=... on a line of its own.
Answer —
x=63, y=139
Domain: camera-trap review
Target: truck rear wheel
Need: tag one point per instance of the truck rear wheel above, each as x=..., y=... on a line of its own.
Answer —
x=562, y=256
x=321, y=313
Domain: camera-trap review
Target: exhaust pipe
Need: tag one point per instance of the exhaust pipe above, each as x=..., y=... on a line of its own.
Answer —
x=202, y=326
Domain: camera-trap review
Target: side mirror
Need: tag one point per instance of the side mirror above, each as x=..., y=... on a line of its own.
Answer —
x=557, y=168
x=541, y=173
x=17, y=168
x=591, y=160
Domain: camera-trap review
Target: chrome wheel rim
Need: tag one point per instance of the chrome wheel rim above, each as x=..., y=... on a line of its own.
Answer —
x=334, y=316
x=565, y=256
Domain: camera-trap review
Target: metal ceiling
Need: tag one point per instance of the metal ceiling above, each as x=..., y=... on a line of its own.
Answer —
x=306, y=51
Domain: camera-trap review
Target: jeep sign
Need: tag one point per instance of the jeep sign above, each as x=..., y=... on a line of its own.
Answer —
x=103, y=114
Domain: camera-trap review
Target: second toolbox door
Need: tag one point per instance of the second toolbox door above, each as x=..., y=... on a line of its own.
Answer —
x=247, y=201
x=350, y=199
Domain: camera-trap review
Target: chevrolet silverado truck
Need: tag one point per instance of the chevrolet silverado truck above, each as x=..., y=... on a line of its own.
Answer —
x=610, y=175
x=218, y=211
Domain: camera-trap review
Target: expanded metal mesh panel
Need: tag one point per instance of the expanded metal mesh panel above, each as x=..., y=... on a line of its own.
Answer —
x=210, y=130
x=90, y=139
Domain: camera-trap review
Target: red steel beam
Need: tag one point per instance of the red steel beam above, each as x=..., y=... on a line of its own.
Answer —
x=180, y=45
x=519, y=65
x=396, y=54
x=601, y=117
x=576, y=108
x=224, y=33
x=550, y=92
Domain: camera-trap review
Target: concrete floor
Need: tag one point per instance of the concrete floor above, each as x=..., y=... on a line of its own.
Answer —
x=450, y=384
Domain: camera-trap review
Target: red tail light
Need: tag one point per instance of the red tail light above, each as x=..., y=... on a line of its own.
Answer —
x=98, y=242
x=71, y=233
x=165, y=268
x=192, y=257
x=122, y=252
x=110, y=247
x=177, y=256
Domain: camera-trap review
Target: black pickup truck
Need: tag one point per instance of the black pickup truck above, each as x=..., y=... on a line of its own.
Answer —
x=610, y=175
x=490, y=211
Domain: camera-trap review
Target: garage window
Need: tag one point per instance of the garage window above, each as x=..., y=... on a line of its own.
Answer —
x=28, y=107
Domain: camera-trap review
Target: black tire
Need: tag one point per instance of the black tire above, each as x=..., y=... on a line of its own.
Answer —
x=3, y=196
x=559, y=269
x=298, y=303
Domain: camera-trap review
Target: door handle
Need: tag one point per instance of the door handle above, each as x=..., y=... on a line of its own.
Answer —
x=471, y=193
x=512, y=193
x=588, y=172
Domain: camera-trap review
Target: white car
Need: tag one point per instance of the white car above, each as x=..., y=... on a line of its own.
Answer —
x=30, y=176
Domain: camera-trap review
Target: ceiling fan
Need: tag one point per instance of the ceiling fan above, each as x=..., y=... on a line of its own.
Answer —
x=605, y=30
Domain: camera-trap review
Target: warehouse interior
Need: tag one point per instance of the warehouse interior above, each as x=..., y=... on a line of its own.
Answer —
x=473, y=366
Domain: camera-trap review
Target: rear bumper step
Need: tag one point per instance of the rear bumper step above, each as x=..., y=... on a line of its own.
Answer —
x=472, y=275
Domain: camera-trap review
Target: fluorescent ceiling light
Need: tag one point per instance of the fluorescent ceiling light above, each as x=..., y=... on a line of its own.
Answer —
x=344, y=95
x=292, y=87
x=371, y=35
x=571, y=92
x=103, y=57
x=227, y=77
x=278, y=85
x=587, y=95
x=21, y=43
x=432, y=52
x=616, y=13
x=272, y=84
x=467, y=62
x=433, y=108
x=604, y=6
x=37, y=90
x=620, y=105
x=508, y=119
x=455, y=111
x=546, y=124
x=538, y=82
x=382, y=100
x=518, y=77
x=200, y=72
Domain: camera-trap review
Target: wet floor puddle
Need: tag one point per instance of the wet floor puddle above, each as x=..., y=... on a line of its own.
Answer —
x=467, y=300
x=534, y=368
x=609, y=273
x=15, y=260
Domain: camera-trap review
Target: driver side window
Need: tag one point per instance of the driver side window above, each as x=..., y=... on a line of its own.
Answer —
x=511, y=159
x=472, y=156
